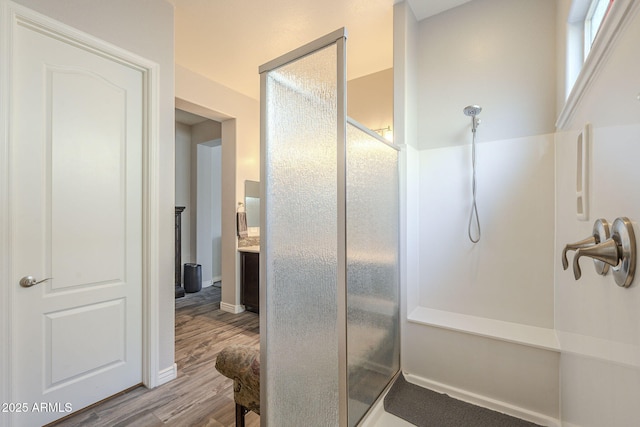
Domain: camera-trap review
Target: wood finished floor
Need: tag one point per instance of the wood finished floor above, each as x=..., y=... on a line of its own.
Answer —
x=200, y=396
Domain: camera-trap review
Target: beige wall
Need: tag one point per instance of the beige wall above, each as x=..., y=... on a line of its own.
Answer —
x=370, y=99
x=370, y=102
x=240, y=118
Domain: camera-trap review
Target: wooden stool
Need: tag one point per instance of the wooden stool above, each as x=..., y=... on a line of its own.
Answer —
x=241, y=363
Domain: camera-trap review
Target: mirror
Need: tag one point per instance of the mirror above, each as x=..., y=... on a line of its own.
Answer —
x=252, y=203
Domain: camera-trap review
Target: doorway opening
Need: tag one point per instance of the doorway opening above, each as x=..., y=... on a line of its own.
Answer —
x=198, y=189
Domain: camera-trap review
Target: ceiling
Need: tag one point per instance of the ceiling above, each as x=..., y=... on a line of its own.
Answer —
x=226, y=41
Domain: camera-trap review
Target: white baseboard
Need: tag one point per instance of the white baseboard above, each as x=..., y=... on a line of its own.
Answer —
x=208, y=283
x=485, y=402
x=230, y=308
x=166, y=375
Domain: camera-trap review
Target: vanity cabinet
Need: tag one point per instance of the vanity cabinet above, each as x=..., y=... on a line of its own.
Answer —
x=250, y=280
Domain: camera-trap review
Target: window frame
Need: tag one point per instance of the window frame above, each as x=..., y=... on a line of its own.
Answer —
x=582, y=69
x=593, y=20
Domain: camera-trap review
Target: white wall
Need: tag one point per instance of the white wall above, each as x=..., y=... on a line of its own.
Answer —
x=216, y=213
x=206, y=186
x=598, y=322
x=508, y=275
x=405, y=125
x=209, y=226
x=147, y=30
x=499, y=54
x=466, y=296
x=183, y=191
x=207, y=132
x=199, y=189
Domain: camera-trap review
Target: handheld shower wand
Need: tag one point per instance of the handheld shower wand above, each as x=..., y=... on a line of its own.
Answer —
x=473, y=111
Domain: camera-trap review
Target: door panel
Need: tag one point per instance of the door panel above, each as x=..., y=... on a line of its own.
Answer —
x=97, y=334
x=76, y=137
x=85, y=163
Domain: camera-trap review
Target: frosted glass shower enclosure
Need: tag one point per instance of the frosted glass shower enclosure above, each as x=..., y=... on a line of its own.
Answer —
x=329, y=292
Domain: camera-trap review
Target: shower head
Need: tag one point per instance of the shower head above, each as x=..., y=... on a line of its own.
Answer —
x=472, y=110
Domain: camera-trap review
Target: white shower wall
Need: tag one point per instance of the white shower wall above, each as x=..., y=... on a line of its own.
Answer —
x=508, y=274
x=597, y=322
x=500, y=323
x=479, y=322
x=482, y=325
x=499, y=54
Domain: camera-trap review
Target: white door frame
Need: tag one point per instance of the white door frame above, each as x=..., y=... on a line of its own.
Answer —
x=12, y=14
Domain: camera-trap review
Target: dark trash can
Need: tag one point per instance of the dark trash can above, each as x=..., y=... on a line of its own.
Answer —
x=192, y=277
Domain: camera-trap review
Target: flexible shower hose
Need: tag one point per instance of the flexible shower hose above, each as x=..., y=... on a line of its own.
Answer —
x=474, y=207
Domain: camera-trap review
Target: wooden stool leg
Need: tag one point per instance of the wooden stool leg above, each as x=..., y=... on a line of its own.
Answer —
x=240, y=411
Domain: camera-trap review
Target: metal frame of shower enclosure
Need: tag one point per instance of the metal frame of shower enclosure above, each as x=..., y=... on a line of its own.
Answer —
x=338, y=37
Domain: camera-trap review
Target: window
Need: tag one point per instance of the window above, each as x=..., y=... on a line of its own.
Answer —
x=606, y=18
x=595, y=16
x=583, y=24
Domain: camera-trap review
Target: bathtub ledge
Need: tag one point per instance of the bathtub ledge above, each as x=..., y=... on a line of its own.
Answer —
x=533, y=336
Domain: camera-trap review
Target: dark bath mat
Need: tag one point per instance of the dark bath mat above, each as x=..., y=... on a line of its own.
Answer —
x=427, y=408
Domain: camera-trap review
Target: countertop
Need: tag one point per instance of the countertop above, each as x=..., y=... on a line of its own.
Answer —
x=253, y=249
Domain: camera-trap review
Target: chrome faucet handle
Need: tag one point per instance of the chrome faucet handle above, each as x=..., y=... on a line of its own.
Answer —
x=600, y=234
x=585, y=243
x=618, y=251
x=606, y=251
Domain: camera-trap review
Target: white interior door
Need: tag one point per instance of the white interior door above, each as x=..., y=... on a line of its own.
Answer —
x=76, y=137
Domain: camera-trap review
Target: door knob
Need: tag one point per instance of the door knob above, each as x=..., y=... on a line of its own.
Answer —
x=28, y=281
